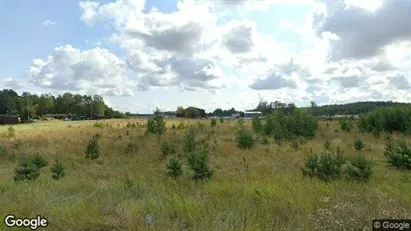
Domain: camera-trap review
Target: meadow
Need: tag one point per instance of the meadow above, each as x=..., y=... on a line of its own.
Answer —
x=254, y=189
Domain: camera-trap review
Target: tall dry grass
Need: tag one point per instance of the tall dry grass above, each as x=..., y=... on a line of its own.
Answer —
x=257, y=189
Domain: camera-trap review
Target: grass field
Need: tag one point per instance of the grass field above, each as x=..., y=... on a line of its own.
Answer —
x=257, y=189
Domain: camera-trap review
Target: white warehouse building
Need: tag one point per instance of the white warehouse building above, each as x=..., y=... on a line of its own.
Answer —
x=252, y=114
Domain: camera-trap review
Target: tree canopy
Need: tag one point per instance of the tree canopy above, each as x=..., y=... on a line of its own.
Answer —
x=34, y=106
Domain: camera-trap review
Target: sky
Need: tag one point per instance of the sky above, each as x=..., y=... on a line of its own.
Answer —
x=143, y=54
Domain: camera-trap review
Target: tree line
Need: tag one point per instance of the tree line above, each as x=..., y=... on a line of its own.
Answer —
x=334, y=109
x=29, y=105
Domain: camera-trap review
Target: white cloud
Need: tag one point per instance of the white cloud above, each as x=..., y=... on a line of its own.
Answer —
x=94, y=71
x=361, y=33
x=49, y=23
x=10, y=83
x=343, y=51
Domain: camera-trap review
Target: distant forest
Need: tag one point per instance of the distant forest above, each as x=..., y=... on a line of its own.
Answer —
x=34, y=106
x=335, y=109
x=29, y=105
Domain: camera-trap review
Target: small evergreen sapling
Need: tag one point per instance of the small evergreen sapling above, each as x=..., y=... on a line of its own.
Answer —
x=175, y=167
x=198, y=162
x=57, y=170
x=360, y=168
x=26, y=170
x=93, y=147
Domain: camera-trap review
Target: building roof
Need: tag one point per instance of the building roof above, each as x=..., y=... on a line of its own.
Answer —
x=253, y=112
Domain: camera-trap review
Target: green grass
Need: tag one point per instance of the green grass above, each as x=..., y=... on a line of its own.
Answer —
x=264, y=192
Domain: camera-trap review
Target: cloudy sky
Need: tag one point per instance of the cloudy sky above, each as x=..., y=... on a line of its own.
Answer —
x=142, y=54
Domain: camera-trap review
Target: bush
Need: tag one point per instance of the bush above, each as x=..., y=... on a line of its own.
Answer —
x=330, y=165
x=156, y=125
x=57, y=170
x=359, y=145
x=189, y=140
x=311, y=163
x=39, y=161
x=398, y=154
x=175, y=167
x=167, y=148
x=173, y=126
x=360, y=169
x=287, y=126
x=387, y=119
x=258, y=125
x=93, y=148
x=213, y=122
x=198, y=162
x=26, y=170
x=221, y=119
x=244, y=139
x=327, y=167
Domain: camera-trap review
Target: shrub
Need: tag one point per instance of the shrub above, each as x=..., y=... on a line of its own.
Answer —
x=57, y=170
x=26, y=170
x=156, y=125
x=213, y=122
x=173, y=126
x=189, y=140
x=360, y=168
x=258, y=126
x=167, y=148
x=330, y=165
x=175, y=167
x=198, y=162
x=39, y=161
x=359, y=145
x=285, y=126
x=387, y=119
x=244, y=139
x=311, y=163
x=93, y=148
x=327, y=167
x=399, y=154
x=221, y=119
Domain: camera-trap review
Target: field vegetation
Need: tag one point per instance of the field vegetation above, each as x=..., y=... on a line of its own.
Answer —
x=287, y=171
